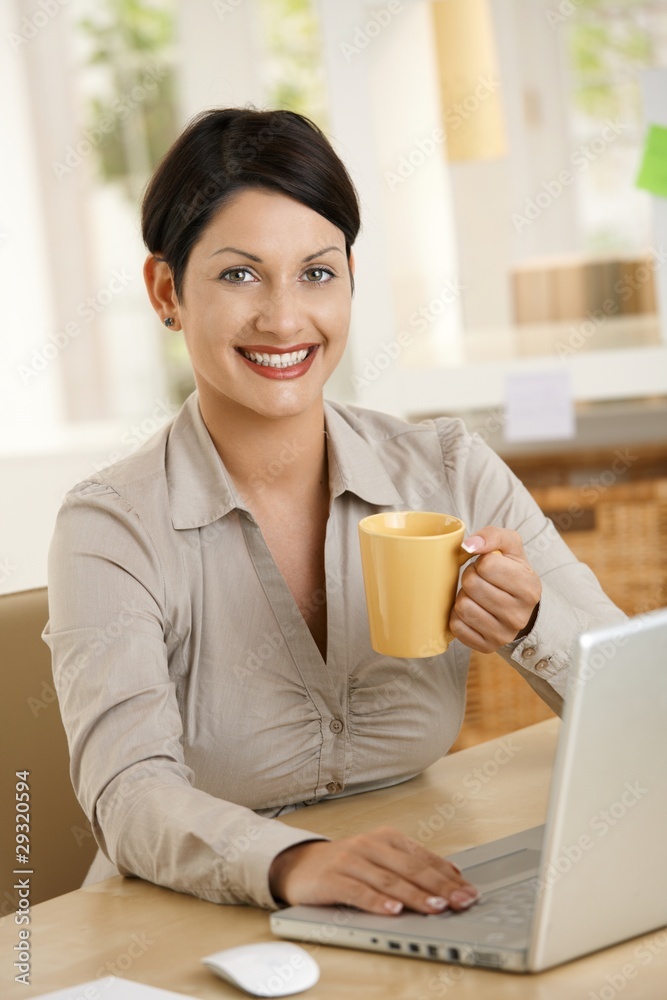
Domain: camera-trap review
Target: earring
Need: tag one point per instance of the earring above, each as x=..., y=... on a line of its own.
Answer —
x=169, y=321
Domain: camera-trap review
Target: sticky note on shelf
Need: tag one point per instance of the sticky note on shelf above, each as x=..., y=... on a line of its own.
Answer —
x=539, y=406
x=653, y=171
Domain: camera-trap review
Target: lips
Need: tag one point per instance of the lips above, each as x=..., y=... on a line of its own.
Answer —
x=278, y=362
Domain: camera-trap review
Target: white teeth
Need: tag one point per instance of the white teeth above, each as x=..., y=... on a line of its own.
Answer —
x=276, y=360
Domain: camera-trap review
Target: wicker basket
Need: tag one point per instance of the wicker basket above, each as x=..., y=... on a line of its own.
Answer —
x=619, y=528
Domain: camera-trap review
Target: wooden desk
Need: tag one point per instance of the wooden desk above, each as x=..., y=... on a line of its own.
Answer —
x=140, y=931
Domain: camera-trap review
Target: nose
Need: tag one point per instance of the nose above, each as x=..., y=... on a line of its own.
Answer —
x=280, y=313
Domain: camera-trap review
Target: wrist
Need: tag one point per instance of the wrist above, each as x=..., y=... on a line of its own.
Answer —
x=281, y=866
x=527, y=629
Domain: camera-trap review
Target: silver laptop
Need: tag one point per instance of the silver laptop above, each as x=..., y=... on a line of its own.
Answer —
x=596, y=872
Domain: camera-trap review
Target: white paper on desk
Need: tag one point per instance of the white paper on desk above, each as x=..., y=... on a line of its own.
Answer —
x=113, y=988
x=538, y=406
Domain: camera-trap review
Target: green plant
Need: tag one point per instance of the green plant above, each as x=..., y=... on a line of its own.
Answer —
x=130, y=42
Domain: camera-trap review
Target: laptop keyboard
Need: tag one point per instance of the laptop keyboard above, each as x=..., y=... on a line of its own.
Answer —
x=514, y=904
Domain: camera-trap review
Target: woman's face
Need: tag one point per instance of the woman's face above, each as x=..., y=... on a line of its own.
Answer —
x=266, y=303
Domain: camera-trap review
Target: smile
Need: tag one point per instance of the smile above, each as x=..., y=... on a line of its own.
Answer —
x=277, y=364
x=285, y=360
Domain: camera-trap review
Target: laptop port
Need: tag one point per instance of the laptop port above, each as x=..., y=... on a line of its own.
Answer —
x=396, y=945
x=431, y=951
x=453, y=955
x=414, y=948
x=488, y=958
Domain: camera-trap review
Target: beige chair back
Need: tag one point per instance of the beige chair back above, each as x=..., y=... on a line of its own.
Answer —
x=32, y=739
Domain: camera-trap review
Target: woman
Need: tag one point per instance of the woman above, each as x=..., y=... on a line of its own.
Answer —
x=207, y=618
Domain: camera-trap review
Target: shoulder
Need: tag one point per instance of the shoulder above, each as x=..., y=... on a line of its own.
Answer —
x=441, y=441
x=378, y=426
x=132, y=480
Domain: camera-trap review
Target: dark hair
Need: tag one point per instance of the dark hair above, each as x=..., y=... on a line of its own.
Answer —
x=224, y=150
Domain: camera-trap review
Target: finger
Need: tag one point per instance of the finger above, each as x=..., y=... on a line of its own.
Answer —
x=421, y=856
x=424, y=876
x=353, y=891
x=510, y=575
x=425, y=891
x=422, y=868
x=487, y=539
x=470, y=637
x=510, y=611
x=483, y=620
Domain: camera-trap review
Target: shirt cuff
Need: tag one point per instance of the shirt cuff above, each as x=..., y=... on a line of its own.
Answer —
x=546, y=650
x=271, y=837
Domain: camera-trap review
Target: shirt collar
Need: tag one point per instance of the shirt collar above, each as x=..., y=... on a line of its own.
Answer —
x=353, y=463
x=201, y=490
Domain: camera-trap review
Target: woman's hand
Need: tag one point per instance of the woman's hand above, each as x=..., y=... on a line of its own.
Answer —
x=500, y=592
x=381, y=872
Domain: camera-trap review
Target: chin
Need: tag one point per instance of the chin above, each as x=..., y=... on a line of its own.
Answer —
x=291, y=405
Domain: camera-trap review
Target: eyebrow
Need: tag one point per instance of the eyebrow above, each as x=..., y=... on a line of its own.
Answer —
x=258, y=260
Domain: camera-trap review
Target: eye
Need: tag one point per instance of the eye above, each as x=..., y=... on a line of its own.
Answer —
x=235, y=271
x=320, y=272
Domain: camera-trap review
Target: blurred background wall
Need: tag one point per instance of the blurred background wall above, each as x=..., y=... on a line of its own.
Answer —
x=495, y=145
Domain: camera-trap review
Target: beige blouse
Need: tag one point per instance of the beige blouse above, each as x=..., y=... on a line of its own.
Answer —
x=196, y=702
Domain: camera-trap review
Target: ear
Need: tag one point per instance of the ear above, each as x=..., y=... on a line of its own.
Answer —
x=161, y=291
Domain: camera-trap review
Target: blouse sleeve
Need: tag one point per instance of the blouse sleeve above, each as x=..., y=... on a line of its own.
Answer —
x=487, y=492
x=109, y=637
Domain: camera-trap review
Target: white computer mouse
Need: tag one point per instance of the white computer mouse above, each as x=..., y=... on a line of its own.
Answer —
x=266, y=969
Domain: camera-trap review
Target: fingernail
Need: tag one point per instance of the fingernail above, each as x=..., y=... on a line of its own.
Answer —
x=473, y=544
x=437, y=903
x=463, y=898
x=393, y=907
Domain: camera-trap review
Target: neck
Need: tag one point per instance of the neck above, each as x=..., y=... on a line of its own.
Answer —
x=268, y=456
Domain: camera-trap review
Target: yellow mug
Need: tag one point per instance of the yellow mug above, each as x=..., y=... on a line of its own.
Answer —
x=411, y=561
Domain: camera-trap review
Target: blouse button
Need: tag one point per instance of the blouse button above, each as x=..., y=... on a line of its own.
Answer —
x=333, y=787
x=336, y=726
x=541, y=665
x=528, y=651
